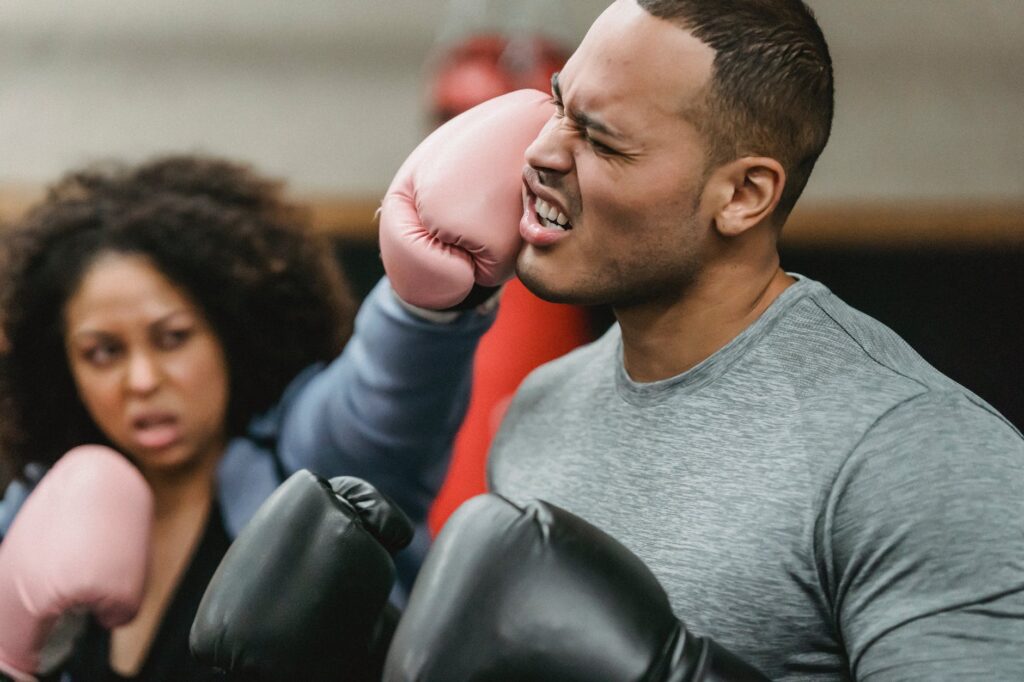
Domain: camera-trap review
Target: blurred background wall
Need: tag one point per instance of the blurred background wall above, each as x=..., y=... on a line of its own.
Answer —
x=914, y=214
x=329, y=93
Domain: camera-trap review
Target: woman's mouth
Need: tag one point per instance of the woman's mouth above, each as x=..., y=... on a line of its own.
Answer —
x=155, y=431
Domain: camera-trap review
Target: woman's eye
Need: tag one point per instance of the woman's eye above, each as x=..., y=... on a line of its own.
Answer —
x=173, y=338
x=101, y=355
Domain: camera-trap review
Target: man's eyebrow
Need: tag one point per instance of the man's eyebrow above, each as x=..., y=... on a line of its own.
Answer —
x=581, y=118
x=585, y=121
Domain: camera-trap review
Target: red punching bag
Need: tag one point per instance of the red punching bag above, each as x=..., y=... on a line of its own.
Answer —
x=528, y=331
x=486, y=65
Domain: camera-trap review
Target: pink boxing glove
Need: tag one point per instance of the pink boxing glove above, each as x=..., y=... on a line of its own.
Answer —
x=79, y=543
x=451, y=216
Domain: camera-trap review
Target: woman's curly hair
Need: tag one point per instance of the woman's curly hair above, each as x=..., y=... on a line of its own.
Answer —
x=271, y=290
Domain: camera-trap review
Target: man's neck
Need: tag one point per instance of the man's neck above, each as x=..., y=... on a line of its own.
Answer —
x=664, y=339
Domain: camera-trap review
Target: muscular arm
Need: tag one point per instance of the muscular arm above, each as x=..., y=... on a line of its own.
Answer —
x=924, y=545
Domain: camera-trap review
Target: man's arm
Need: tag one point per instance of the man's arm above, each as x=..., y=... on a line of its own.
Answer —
x=923, y=545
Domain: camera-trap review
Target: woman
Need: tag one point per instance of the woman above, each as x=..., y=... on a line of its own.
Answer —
x=178, y=312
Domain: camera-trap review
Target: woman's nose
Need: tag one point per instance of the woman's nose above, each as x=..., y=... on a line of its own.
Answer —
x=143, y=372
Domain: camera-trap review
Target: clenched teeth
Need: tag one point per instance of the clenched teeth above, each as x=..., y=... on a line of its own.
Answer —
x=551, y=216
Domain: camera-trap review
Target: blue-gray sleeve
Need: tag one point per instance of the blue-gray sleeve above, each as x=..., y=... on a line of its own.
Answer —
x=387, y=410
x=924, y=545
x=15, y=495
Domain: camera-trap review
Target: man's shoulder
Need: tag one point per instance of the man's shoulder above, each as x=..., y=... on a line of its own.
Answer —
x=843, y=375
x=948, y=419
x=828, y=345
x=865, y=372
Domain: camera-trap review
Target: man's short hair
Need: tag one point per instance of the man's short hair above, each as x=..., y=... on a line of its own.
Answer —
x=771, y=91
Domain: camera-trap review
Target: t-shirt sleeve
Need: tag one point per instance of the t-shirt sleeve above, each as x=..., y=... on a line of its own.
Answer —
x=924, y=545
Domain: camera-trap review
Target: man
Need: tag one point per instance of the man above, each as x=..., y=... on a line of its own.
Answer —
x=816, y=501
x=810, y=492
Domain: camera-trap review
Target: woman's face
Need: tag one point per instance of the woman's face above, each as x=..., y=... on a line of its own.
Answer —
x=148, y=367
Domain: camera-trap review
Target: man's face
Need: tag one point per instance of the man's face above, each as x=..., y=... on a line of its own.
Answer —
x=622, y=165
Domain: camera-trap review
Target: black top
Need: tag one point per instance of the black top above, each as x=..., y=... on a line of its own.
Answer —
x=169, y=658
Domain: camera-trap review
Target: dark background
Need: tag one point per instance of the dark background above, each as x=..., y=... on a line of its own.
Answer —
x=960, y=309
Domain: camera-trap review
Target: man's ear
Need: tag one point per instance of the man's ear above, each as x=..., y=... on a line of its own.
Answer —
x=747, y=191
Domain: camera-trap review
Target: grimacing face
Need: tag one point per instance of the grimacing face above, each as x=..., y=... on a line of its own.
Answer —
x=622, y=166
x=148, y=367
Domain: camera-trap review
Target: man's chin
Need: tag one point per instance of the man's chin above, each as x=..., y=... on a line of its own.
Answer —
x=538, y=285
x=547, y=289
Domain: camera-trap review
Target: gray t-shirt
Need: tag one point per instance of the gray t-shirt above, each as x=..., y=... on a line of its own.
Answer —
x=814, y=496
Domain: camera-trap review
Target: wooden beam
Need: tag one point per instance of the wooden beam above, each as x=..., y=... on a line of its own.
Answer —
x=916, y=224
x=827, y=224
x=15, y=199
x=346, y=217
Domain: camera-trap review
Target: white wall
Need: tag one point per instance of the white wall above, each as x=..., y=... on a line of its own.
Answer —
x=328, y=93
x=930, y=99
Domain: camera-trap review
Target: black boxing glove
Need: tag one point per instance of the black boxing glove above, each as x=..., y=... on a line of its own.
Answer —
x=510, y=594
x=302, y=592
